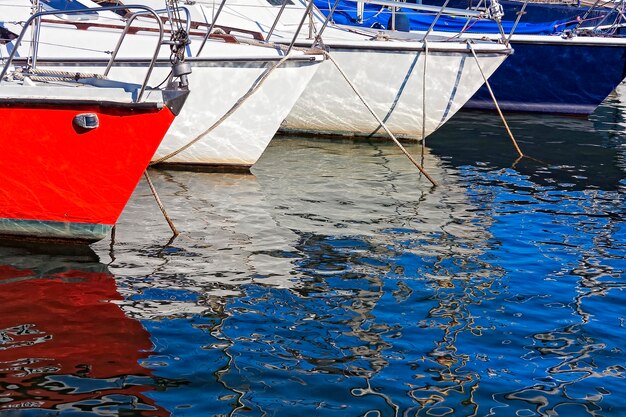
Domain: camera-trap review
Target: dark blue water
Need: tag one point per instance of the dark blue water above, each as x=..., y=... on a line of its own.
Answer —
x=335, y=281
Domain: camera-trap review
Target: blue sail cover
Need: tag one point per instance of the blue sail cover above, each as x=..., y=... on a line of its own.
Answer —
x=379, y=17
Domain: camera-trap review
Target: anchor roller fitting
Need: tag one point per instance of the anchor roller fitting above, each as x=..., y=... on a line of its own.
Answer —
x=181, y=70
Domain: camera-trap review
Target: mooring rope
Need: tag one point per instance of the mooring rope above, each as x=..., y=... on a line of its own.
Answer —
x=380, y=122
x=495, y=102
x=254, y=88
x=424, y=99
x=160, y=204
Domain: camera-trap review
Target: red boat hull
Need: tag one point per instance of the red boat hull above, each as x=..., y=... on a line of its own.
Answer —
x=60, y=181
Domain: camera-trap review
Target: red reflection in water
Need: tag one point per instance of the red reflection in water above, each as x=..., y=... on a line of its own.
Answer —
x=63, y=342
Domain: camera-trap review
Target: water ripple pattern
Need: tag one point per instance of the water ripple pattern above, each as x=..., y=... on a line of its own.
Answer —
x=335, y=281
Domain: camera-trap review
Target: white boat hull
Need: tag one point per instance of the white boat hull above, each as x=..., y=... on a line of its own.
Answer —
x=392, y=83
x=386, y=67
x=241, y=139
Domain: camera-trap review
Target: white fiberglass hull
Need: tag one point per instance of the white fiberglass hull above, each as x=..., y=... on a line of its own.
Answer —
x=241, y=139
x=392, y=83
x=386, y=67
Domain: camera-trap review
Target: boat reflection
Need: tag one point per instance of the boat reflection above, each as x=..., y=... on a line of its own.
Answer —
x=228, y=238
x=571, y=153
x=64, y=345
x=370, y=234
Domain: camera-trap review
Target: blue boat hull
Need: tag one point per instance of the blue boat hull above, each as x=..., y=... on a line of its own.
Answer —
x=549, y=78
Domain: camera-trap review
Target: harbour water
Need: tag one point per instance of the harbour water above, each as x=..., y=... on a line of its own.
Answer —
x=336, y=281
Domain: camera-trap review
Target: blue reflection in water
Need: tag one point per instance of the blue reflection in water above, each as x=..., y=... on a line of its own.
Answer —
x=506, y=302
x=335, y=280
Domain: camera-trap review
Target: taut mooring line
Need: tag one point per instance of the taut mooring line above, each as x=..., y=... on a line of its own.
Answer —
x=506, y=125
x=160, y=204
x=424, y=98
x=384, y=126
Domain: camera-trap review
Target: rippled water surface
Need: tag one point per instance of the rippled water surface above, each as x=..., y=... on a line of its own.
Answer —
x=335, y=281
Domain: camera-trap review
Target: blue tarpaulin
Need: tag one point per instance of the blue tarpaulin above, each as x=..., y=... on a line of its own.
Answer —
x=379, y=16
